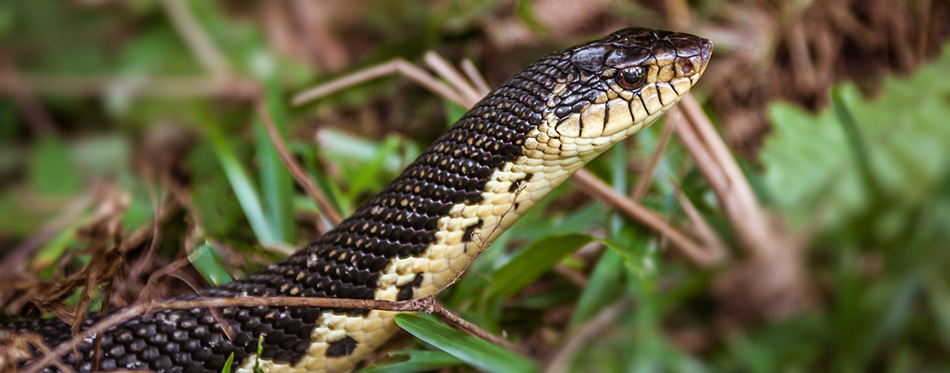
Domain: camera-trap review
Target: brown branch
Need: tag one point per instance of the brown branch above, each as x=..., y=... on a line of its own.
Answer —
x=713, y=244
x=473, y=329
x=296, y=170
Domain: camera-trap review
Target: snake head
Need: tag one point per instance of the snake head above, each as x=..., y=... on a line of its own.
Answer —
x=615, y=86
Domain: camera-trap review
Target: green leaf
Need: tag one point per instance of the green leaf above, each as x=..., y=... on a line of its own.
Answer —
x=204, y=258
x=52, y=170
x=470, y=349
x=276, y=183
x=534, y=261
x=419, y=361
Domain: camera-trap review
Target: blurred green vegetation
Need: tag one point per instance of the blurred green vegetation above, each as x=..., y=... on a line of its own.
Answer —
x=865, y=184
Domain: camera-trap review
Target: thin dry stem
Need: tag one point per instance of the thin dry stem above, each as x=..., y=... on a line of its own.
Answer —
x=738, y=200
x=476, y=77
x=591, y=330
x=296, y=170
x=598, y=189
x=442, y=67
x=700, y=154
x=713, y=244
x=195, y=37
x=473, y=329
x=399, y=65
x=646, y=177
x=133, y=86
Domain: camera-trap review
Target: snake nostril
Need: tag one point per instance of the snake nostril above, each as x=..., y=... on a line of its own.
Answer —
x=687, y=68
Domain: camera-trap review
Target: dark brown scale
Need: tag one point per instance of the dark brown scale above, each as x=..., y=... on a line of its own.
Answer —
x=399, y=222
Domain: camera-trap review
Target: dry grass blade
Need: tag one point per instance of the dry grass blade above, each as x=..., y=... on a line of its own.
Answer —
x=476, y=77
x=442, y=67
x=713, y=244
x=399, y=65
x=694, y=146
x=646, y=177
x=296, y=170
x=598, y=189
x=736, y=194
x=166, y=87
x=590, y=331
x=197, y=40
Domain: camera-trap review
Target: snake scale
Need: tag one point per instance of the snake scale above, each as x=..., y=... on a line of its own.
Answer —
x=423, y=229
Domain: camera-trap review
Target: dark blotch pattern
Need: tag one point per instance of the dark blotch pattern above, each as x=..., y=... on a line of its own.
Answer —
x=518, y=183
x=470, y=230
x=343, y=347
x=406, y=291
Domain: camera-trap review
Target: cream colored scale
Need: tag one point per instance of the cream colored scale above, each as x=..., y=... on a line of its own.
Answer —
x=552, y=152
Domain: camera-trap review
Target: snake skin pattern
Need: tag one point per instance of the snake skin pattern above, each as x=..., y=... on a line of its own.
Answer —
x=423, y=229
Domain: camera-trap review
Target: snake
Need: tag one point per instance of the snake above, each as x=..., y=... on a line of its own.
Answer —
x=420, y=231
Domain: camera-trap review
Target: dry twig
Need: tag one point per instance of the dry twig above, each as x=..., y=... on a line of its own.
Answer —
x=296, y=170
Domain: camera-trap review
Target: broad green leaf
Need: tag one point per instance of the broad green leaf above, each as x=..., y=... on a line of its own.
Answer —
x=418, y=361
x=473, y=350
x=204, y=258
x=534, y=261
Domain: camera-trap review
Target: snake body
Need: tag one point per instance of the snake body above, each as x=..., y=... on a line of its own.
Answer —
x=426, y=226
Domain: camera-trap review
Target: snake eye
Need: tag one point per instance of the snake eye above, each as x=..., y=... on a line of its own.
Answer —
x=631, y=77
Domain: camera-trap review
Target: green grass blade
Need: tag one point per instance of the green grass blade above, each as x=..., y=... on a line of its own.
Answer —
x=242, y=185
x=276, y=184
x=227, y=364
x=859, y=146
x=534, y=261
x=473, y=350
x=602, y=288
x=205, y=259
x=419, y=361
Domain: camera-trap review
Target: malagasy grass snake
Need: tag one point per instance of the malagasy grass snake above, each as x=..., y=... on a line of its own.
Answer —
x=507, y=152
